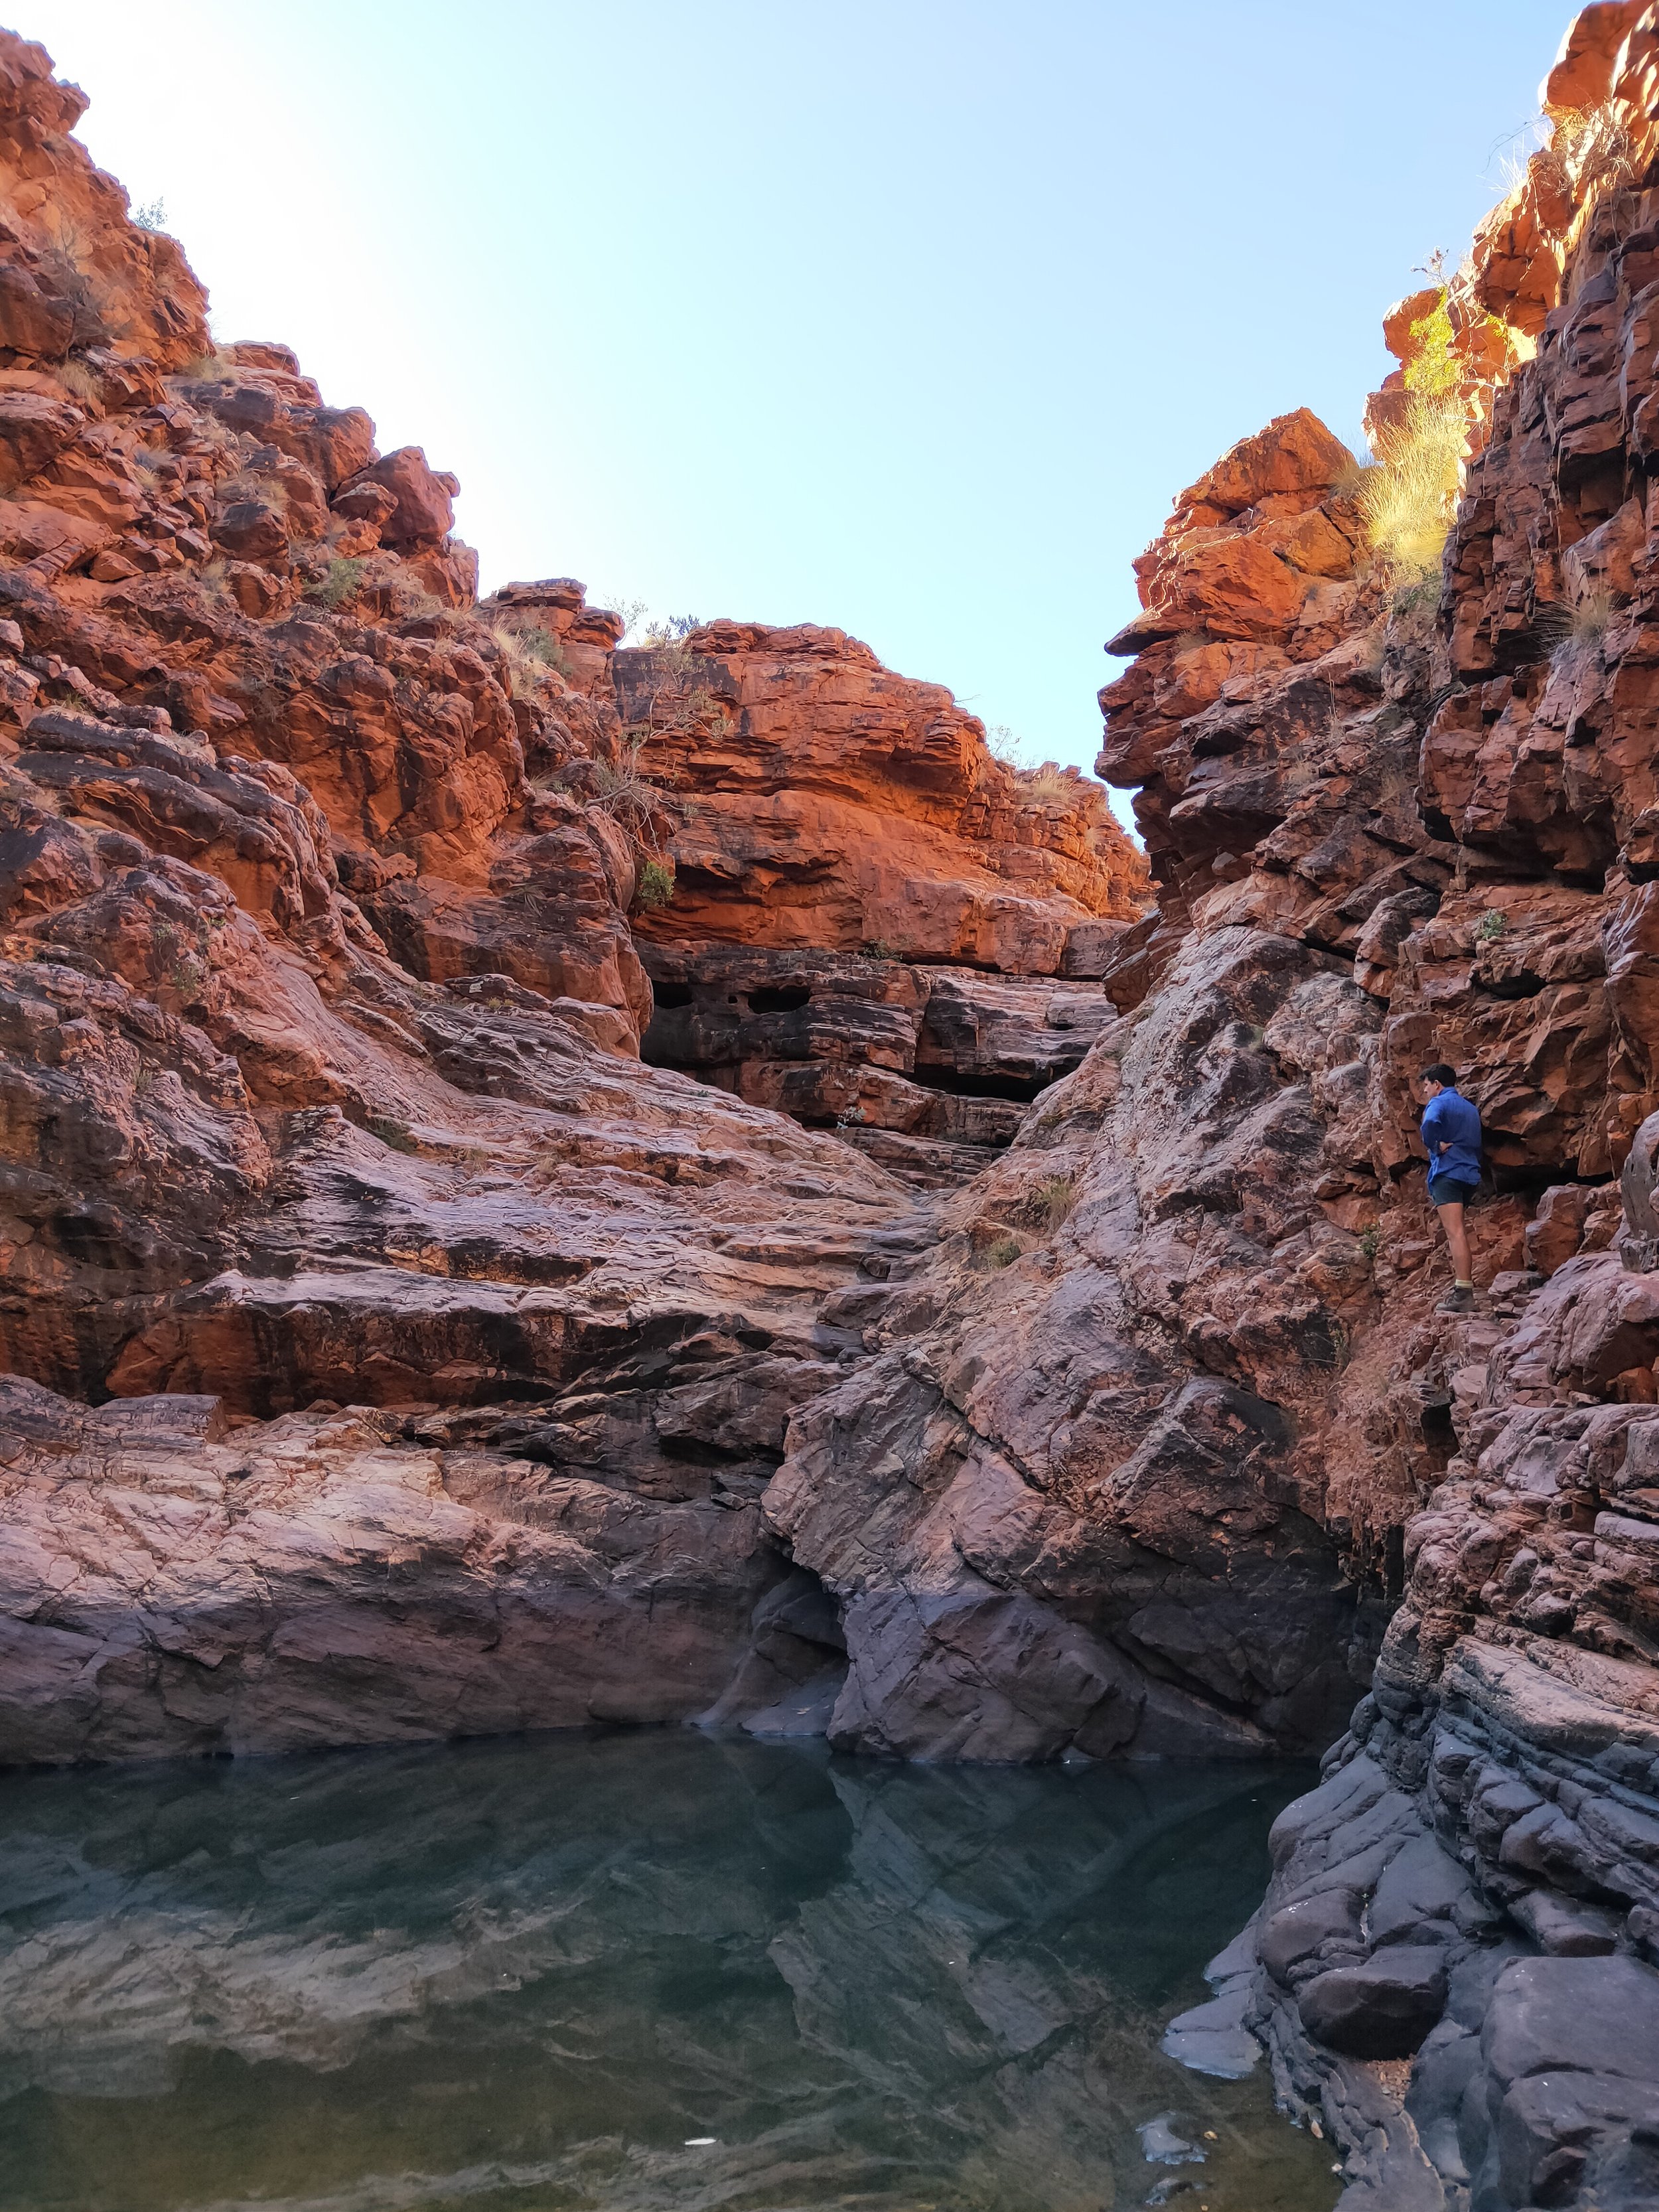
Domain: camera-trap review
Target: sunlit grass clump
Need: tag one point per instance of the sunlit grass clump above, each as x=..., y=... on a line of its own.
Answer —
x=1406, y=499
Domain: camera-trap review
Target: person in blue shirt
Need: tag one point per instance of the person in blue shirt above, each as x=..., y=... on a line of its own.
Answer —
x=1451, y=1134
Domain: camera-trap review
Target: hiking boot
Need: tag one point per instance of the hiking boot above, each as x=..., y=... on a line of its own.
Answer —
x=1459, y=1299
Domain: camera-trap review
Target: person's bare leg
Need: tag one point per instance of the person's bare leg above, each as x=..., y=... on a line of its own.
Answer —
x=1457, y=1241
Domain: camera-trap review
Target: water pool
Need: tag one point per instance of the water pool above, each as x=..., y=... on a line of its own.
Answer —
x=625, y=1972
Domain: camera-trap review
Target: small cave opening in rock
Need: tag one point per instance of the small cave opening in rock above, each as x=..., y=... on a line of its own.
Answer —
x=778, y=998
x=1439, y=1434
x=983, y=1083
x=1529, y=1181
x=1522, y=983
x=671, y=995
x=699, y=1452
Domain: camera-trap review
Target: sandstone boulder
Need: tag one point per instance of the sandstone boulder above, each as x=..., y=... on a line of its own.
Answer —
x=424, y=512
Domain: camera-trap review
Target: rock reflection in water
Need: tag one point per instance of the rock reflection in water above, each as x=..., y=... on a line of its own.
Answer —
x=523, y=1975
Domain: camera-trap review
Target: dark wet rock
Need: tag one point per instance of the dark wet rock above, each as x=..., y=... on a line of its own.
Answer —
x=1382, y=2008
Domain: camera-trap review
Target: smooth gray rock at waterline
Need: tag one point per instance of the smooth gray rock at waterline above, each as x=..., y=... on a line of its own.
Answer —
x=1212, y=2038
x=803, y=1712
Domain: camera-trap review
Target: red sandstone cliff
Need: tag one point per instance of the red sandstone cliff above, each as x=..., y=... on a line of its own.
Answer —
x=875, y=925
x=829, y=805
x=1457, y=839
x=318, y=1001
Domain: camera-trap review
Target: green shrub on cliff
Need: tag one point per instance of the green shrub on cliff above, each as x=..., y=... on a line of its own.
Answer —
x=529, y=651
x=1432, y=369
x=340, y=583
x=673, y=631
x=656, y=884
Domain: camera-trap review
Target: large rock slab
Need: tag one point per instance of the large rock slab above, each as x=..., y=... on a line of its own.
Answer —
x=176, y=1583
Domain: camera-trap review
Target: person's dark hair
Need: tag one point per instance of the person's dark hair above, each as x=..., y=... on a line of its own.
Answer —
x=1440, y=1073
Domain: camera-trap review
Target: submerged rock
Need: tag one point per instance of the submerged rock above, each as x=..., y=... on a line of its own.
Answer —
x=1161, y=2146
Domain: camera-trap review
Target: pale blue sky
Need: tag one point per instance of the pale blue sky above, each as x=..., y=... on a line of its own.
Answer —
x=909, y=318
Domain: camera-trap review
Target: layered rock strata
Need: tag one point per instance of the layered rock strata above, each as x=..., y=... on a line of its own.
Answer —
x=928, y=1070
x=821, y=803
x=852, y=867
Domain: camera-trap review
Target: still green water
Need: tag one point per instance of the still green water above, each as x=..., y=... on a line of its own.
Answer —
x=519, y=1976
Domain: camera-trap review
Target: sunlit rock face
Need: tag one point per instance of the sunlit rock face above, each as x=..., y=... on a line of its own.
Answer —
x=549, y=1181
x=828, y=805
x=846, y=851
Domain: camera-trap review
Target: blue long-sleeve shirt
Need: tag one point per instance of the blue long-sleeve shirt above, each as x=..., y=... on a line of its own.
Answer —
x=1454, y=1120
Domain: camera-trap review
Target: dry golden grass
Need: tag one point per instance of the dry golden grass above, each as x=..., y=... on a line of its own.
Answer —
x=215, y=367
x=1590, y=153
x=623, y=792
x=1407, y=499
x=1590, y=619
x=80, y=378
x=1041, y=786
x=1579, y=629
x=1054, y=1198
x=530, y=653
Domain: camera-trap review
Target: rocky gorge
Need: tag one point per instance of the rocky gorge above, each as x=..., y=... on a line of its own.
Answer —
x=547, y=1180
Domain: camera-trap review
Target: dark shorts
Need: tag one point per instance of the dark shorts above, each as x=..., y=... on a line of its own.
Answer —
x=1450, y=1190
